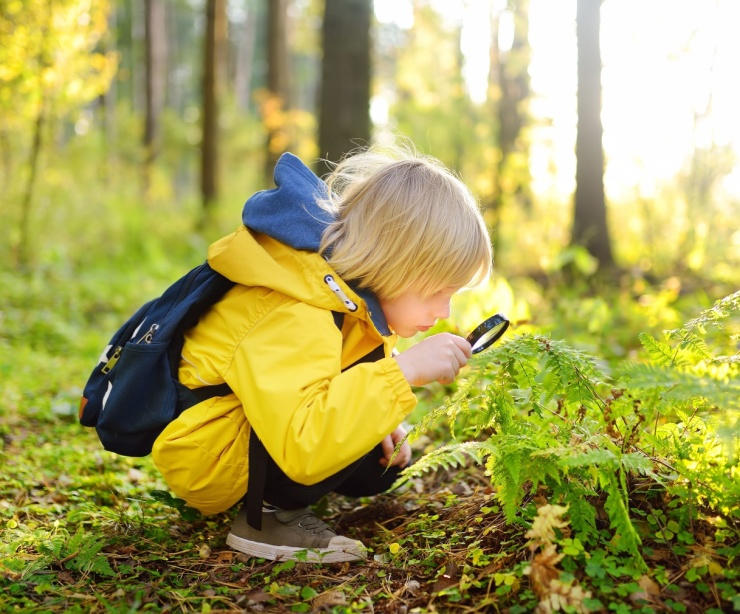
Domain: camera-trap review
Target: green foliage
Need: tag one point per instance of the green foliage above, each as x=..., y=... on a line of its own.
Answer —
x=49, y=56
x=80, y=551
x=545, y=420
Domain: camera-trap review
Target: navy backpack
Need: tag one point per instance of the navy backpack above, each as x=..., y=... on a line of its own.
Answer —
x=133, y=392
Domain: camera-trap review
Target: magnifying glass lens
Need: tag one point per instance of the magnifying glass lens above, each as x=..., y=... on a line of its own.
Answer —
x=488, y=332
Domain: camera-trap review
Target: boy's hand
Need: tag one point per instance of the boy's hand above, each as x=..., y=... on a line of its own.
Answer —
x=389, y=445
x=438, y=358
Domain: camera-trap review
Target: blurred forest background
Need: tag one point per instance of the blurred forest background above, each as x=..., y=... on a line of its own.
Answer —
x=129, y=127
x=602, y=140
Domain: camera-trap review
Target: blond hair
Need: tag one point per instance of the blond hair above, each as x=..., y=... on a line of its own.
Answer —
x=403, y=222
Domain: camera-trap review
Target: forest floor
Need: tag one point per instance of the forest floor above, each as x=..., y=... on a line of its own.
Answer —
x=88, y=531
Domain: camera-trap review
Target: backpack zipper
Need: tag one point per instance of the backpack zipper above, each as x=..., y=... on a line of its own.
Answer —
x=112, y=360
x=148, y=336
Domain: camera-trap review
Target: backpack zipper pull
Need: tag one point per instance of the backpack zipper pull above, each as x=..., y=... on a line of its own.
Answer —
x=113, y=360
x=148, y=335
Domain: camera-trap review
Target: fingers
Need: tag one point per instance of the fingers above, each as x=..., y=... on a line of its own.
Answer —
x=388, y=446
x=436, y=358
x=389, y=443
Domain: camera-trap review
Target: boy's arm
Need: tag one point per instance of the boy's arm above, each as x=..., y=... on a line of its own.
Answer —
x=313, y=419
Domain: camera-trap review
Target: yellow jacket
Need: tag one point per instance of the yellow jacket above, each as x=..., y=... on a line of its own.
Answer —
x=273, y=340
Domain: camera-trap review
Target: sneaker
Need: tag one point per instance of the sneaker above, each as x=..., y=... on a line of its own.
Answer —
x=287, y=532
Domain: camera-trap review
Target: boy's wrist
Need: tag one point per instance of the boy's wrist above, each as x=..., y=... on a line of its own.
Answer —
x=407, y=368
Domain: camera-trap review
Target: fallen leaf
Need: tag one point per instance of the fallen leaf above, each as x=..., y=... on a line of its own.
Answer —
x=328, y=600
x=648, y=585
x=258, y=596
x=226, y=556
x=135, y=475
x=649, y=590
x=204, y=551
x=447, y=579
x=543, y=571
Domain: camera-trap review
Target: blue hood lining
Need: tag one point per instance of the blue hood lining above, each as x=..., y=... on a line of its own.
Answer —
x=289, y=213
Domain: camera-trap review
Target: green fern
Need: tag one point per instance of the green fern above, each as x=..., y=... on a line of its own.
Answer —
x=682, y=385
x=83, y=553
x=721, y=310
x=661, y=353
x=625, y=538
x=447, y=457
x=689, y=337
x=542, y=414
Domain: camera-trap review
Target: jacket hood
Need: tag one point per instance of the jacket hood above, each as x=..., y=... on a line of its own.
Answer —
x=289, y=212
x=281, y=251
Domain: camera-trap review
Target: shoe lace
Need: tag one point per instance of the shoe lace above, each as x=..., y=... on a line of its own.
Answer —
x=311, y=523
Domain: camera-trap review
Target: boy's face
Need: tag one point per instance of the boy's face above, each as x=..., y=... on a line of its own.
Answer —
x=412, y=313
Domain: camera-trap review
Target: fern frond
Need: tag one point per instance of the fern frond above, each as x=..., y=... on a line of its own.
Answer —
x=721, y=310
x=571, y=376
x=435, y=415
x=590, y=458
x=661, y=353
x=693, y=343
x=681, y=385
x=581, y=512
x=626, y=538
x=637, y=462
x=447, y=457
x=86, y=549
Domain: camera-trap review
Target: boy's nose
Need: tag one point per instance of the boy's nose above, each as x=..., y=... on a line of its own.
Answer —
x=443, y=312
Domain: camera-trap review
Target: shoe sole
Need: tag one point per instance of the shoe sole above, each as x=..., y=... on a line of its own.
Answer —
x=288, y=553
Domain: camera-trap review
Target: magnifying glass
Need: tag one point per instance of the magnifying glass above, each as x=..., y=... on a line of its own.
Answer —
x=488, y=332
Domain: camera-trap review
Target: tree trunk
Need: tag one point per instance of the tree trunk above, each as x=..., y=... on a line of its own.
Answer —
x=244, y=61
x=344, y=116
x=108, y=105
x=509, y=79
x=278, y=97
x=24, y=245
x=589, y=220
x=214, y=45
x=155, y=45
x=24, y=242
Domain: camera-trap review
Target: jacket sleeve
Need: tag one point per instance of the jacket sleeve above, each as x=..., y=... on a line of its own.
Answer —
x=313, y=418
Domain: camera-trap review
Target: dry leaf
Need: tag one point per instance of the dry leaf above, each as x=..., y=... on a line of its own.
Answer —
x=329, y=600
x=225, y=556
x=544, y=525
x=258, y=596
x=204, y=551
x=649, y=589
x=135, y=475
x=543, y=571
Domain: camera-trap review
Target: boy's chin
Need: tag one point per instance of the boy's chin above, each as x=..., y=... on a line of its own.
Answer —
x=407, y=334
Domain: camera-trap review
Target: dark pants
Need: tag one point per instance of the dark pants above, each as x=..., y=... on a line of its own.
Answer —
x=363, y=478
x=268, y=483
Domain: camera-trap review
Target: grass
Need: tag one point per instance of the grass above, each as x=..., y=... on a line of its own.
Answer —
x=87, y=531
x=84, y=530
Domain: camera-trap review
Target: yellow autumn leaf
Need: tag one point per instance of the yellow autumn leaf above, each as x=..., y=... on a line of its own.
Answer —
x=715, y=568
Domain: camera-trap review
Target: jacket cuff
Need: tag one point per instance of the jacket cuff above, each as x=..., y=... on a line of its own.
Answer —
x=405, y=397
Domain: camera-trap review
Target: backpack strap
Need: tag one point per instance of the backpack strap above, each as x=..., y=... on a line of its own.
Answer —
x=190, y=397
x=259, y=461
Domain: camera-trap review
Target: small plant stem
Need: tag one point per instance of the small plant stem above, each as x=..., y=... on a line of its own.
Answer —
x=663, y=530
x=69, y=557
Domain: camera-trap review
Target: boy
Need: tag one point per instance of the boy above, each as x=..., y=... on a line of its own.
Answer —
x=328, y=275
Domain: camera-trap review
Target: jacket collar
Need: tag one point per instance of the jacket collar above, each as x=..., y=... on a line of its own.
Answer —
x=290, y=214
